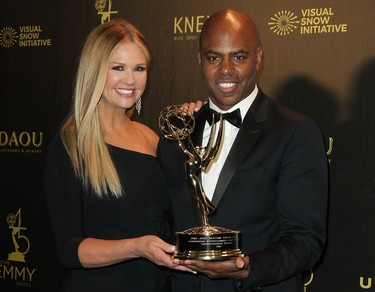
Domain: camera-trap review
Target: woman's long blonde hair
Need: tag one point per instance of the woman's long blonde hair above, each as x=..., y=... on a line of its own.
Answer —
x=81, y=132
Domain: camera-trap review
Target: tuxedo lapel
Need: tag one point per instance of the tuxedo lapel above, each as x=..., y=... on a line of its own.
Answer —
x=251, y=129
x=200, y=121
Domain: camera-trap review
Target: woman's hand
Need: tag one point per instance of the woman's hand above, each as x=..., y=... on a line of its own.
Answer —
x=94, y=252
x=158, y=251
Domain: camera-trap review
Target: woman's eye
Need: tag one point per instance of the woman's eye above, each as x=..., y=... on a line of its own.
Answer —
x=140, y=68
x=118, y=68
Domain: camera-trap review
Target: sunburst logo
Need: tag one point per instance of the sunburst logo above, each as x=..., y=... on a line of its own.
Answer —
x=8, y=37
x=283, y=22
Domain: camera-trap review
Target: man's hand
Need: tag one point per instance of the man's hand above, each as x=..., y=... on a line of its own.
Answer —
x=193, y=106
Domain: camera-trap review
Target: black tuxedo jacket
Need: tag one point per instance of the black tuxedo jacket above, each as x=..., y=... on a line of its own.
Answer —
x=273, y=188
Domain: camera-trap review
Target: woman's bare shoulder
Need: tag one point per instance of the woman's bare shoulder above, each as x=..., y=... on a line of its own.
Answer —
x=147, y=132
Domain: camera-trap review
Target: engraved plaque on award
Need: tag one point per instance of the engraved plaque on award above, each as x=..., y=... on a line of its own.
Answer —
x=205, y=242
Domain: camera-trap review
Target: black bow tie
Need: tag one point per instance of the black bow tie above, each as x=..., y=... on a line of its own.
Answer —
x=233, y=117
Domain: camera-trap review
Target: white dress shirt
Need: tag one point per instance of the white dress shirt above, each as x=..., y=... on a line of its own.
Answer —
x=211, y=174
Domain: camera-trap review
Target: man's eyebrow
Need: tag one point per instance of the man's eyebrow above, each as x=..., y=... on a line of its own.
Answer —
x=211, y=52
x=240, y=51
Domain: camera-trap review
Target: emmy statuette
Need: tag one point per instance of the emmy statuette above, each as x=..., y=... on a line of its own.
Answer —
x=206, y=242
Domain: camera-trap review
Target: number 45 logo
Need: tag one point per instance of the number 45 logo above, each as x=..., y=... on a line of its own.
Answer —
x=20, y=242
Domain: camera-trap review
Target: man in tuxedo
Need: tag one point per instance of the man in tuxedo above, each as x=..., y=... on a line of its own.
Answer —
x=269, y=179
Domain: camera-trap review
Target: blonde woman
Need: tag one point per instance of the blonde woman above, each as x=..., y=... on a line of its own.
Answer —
x=103, y=186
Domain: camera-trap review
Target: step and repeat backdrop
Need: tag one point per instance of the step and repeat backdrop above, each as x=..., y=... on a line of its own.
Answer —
x=319, y=58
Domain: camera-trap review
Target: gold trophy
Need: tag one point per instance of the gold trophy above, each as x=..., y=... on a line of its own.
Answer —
x=206, y=242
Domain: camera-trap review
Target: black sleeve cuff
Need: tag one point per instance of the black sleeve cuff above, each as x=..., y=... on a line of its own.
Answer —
x=239, y=284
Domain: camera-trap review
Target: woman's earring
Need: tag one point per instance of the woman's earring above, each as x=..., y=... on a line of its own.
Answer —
x=138, y=105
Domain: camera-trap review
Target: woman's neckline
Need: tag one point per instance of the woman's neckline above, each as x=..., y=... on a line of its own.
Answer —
x=130, y=150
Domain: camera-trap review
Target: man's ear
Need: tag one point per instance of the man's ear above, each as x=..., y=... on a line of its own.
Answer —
x=259, y=58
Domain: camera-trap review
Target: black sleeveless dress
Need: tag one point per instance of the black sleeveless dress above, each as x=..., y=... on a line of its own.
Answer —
x=75, y=215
